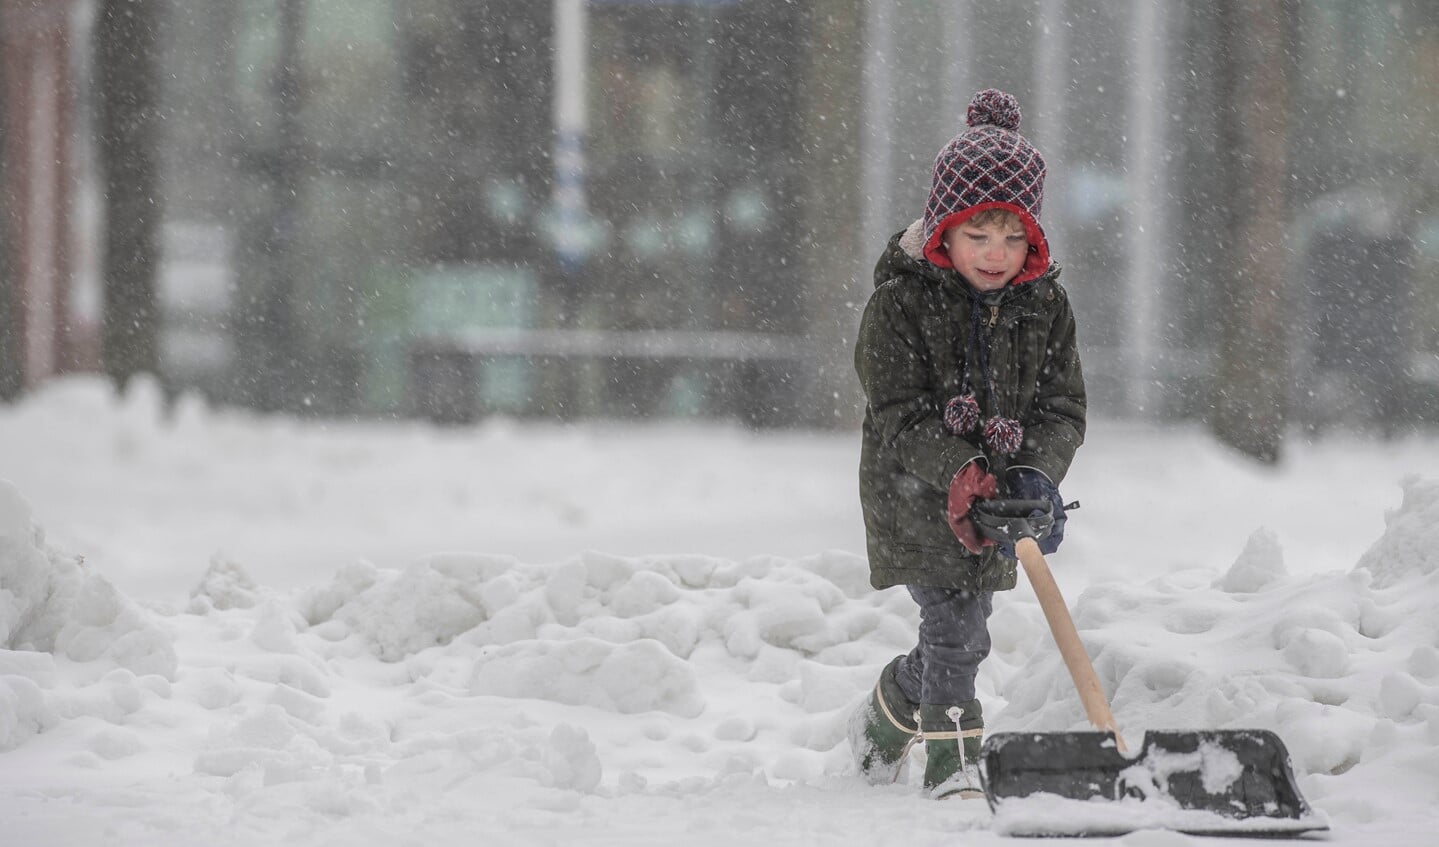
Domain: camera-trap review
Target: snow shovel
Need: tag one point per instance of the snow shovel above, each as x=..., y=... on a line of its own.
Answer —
x=1209, y=782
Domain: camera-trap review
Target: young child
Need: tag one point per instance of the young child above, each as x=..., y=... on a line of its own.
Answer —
x=968, y=360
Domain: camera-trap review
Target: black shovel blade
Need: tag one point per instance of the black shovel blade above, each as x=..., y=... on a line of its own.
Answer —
x=1210, y=782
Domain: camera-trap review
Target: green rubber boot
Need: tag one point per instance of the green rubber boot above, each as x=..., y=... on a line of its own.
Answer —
x=952, y=738
x=883, y=729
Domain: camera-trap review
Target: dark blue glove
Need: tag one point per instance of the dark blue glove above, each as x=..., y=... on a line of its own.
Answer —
x=1030, y=484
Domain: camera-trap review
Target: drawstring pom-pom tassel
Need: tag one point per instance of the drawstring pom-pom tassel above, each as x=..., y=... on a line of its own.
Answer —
x=1004, y=435
x=961, y=414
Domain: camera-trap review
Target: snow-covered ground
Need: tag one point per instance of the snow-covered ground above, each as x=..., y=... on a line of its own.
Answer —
x=221, y=628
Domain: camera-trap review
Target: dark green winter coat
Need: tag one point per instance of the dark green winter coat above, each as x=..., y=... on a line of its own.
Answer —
x=913, y=343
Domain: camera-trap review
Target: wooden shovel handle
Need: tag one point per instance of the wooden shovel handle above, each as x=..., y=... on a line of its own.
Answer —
x=1096, y=706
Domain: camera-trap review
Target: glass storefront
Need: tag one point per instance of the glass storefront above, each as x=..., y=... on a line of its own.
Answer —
x=424, y=150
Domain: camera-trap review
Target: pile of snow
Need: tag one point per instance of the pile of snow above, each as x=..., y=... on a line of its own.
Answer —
x=54, y=609
x=597, y=674
x=290, y=690
x=1344, y=667
x=622, y=677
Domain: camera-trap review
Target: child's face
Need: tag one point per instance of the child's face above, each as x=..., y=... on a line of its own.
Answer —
x=987, y=256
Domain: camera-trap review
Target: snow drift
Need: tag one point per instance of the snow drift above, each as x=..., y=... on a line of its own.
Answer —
x=1344, y=667
x=54, y=612
x=645, y=698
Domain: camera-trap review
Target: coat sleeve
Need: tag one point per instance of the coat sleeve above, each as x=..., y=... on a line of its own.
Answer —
x=902, y=397
x=1055, y=426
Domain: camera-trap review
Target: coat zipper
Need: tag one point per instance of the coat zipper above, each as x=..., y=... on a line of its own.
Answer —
x=993, y=320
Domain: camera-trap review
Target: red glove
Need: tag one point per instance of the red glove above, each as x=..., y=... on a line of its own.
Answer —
x=972, y=483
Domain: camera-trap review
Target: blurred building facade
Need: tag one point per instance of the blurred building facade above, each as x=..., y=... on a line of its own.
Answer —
x=37, y=190
x=363, y=216
x=409, y=226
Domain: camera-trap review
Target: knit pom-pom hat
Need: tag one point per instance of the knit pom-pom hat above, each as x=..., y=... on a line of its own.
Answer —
x=988, y=166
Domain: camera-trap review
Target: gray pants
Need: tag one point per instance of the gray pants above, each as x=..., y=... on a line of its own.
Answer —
x=953, y=640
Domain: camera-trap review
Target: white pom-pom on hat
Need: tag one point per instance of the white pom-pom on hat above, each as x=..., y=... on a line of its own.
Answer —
x=992, y=107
